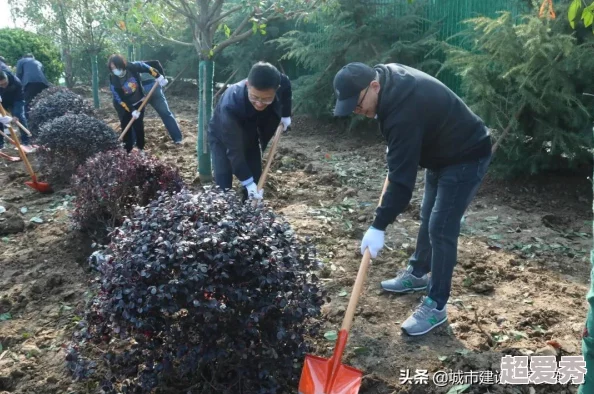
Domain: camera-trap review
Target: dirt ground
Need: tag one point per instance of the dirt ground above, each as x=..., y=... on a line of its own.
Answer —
x=519, y=287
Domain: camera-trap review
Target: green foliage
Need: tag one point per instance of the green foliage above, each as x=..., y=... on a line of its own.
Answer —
x=353, y=30
x=539, y=69
x=14, y=43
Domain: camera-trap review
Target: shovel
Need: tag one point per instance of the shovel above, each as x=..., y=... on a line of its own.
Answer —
x=41, y=187
x=144, y=102
x=329, y=376
x=277, y=134
x=4, y=155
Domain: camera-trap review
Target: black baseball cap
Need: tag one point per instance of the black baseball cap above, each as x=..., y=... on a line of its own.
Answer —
x=348, y=83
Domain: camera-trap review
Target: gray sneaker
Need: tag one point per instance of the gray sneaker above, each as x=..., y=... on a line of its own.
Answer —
x=425, y=318
x=405, y=282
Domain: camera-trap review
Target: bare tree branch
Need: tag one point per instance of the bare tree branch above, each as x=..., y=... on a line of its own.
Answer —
x=188, y=44
x=243, y=24
x=216, y=9
x=178, y=9
x=225, y=14
x=232, y=40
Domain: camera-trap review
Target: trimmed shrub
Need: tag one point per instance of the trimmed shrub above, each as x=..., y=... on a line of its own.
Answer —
x=60, y=103
x=45, y=93
x=206, y=292
x=69, y=140
x=109, y=184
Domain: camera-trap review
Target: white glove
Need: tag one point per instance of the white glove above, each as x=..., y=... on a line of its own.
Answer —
x=253, y=192
x=5, y=120
x=162, y=81
x=374, y=240
x=286, y=123
x=135, y=114
x=0, y=99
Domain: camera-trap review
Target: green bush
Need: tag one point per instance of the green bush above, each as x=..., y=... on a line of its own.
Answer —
x=14, y=43
x=536, y=69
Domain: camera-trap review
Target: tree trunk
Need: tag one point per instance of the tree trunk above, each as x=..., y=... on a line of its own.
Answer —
x=205, y=82
x=95, y=80
x=66, y=50
x=130, y=53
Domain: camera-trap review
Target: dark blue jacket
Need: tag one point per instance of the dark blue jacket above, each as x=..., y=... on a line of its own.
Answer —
x=128, y=91
x=13, y=92
x=237, y=125
x=29, y=70
x=424, y=124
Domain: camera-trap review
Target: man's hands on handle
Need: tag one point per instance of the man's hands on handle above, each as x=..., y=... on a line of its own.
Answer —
x=374, y=240
x=6, y=120
x=253, y=191
x=135, y=114
x=162, y=81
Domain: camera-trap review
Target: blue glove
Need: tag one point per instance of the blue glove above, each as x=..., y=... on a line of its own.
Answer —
x=374, y=240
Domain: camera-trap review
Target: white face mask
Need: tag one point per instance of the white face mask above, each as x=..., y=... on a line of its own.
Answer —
x=118, y=73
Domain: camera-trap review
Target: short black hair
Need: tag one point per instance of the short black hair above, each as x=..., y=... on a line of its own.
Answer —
x=3, y=76
x=29, y=55
x=118, y=60
x=264, y=76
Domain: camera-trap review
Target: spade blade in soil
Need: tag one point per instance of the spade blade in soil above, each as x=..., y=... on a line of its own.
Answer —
x=41, y=187
x=328, y=376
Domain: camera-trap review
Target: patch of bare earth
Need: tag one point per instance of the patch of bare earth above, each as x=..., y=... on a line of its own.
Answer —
x=520, y=281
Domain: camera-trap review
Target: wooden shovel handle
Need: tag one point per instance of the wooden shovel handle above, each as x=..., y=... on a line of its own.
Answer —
x=361, y=275
x=24, y=129
x=144, y=102
x=271, y=153
x=279, y=131
x=19, y=147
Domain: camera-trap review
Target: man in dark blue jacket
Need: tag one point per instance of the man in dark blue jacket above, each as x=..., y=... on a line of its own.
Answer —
x=13, y=100
x=424, y=124
x=243, y=123
x=30, y=72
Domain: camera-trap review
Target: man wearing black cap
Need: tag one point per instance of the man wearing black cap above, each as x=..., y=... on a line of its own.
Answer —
x=424, y=124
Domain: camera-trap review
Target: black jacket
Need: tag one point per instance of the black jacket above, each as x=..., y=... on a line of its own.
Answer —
x=128, y=91
x=13, y=92
x=425, y=124
x=237, y=125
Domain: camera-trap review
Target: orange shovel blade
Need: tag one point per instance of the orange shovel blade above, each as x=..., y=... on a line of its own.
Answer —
x=315, y=376
x=39, y=186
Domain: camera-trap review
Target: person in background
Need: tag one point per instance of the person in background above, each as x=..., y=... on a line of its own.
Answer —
x=4, y=65
x=30, y=72
x=243, y=122
x=128, y=94
x=12, y=99
x=160, y=105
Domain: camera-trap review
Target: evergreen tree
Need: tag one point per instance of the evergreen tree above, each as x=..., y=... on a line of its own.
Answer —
x=531, y=74
x=344, y=31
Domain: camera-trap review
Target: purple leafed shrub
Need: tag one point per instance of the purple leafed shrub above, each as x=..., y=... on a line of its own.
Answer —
x=68, y=141
x=110, y=183
x=51, y=106
x=216, y=294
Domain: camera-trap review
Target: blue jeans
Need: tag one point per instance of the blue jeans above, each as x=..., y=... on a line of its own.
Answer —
x=17, y=109
x=448, y=192
x=159, y=103
x=223, y=172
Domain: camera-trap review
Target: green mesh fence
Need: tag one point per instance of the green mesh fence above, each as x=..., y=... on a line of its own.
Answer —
x=450, y=14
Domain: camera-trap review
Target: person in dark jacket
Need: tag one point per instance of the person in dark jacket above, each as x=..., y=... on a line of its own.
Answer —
x=243, y=122
x=424, y=124
x=4, y=65
x=30, y=72
x=12, y=99
x=126, y=86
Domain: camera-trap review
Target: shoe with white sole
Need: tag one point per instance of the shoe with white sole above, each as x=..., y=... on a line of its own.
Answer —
x=425, y=318
x=406, y=282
